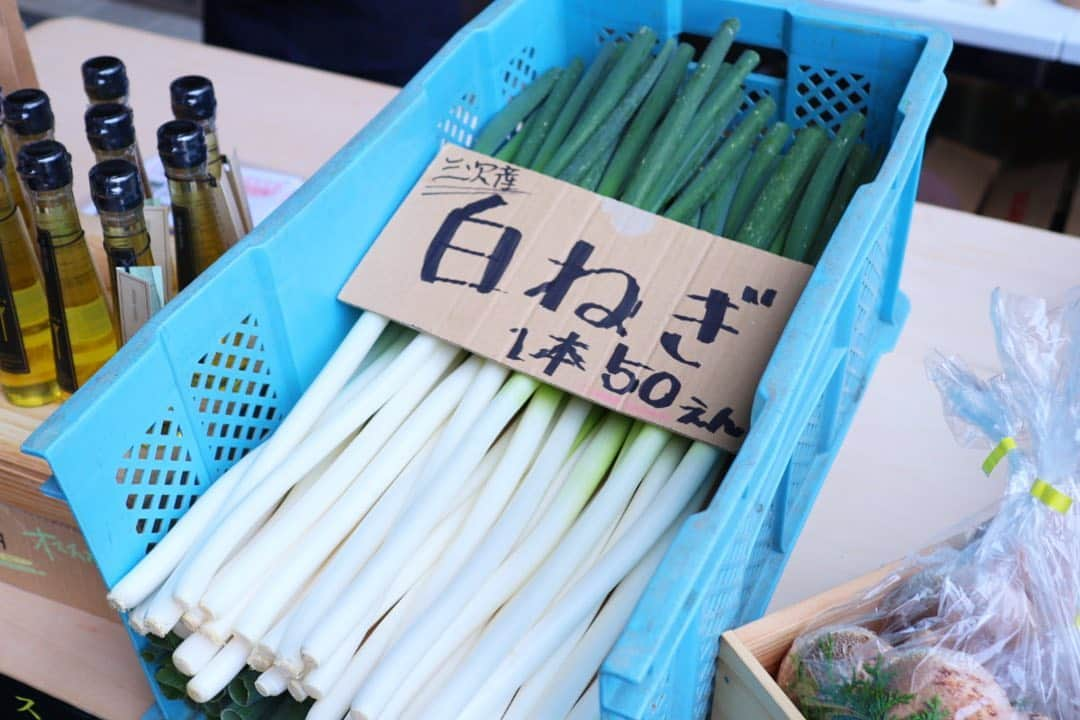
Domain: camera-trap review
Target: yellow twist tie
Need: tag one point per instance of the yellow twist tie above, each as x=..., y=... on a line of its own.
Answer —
x=1051, y=497
x=1003, y=448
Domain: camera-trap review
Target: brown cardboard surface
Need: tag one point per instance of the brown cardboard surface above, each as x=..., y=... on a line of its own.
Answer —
x=1027, y=195
x=50, y=559
x=956, y=176
x=632, y=311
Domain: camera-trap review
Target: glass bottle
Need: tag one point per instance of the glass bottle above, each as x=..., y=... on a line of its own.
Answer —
x=28, y=117
x=27, y=370
x=193, y=99
x=83, y=332
x=105, y=80
x=110, y=130
x=117, y=194
x=201, y=223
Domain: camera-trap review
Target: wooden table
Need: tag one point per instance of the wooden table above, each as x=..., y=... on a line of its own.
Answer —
x=899, y=462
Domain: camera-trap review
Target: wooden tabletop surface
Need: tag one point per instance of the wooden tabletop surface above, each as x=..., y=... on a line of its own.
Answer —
x=899, y=483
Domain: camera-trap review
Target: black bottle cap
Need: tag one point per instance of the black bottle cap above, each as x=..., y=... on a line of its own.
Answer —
x=105, y=78
x=181, y=143
x=28, y=111
x=115, y=186
x=45, y=165
x=192, y=98
x=110, y=126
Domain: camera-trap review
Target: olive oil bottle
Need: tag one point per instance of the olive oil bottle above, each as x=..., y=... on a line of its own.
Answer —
x=28, y=117
x=110, y=130
x=83, y=332
x=27, y=370
x=105, y=80
x=201, y=222
x=193, y=99
x=117, y=194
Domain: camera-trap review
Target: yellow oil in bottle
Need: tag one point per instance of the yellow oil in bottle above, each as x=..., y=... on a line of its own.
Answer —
x=117, y=193
x=28, y=118
x=27, y=372
x=202, y=225
x=83, y=331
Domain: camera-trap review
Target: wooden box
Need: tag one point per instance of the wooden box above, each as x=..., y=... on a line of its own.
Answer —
x=750, y=655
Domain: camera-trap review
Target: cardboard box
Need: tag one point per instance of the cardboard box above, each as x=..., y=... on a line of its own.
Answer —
x=1029, y=195
x=50, y=559
x=956, y=176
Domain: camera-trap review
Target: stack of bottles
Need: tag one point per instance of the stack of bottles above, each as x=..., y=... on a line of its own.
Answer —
x=56, y=326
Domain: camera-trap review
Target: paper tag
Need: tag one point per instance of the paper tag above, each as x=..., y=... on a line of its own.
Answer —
x=235, y=175
x=162, y=247
x=140, y=296
x=635, y=312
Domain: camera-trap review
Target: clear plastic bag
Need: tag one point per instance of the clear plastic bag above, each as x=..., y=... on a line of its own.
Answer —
x=990, y=629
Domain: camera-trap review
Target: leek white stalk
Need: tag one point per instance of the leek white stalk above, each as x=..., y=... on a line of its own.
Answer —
x=442, y=628
x=155, y=567
x=297, y=691
x=137, y=618
x=391, y=606
x=374, y=445
x=535, y=688
x=530, y=694
x=194, y=653
x=219, y=672
x=525, y=439
x=272, y=682
x=323, y=389
x=318, y=681
x=335, y=704
x=529, y=603
x=677, y=499
x=420, y=701
x=346, y=562
x=305, y=455
x=434, y=490
x=193, y=618
x=372, y=367
x=587, y=706
x=557, y=696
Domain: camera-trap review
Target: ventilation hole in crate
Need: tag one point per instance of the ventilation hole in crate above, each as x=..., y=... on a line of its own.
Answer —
x=826, y=96
x=236, y=402
x=519, y=72
x=457, y=127
x=751, y=97
x=161, y=459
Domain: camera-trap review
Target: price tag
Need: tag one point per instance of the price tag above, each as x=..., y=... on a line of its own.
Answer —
x=630, y=310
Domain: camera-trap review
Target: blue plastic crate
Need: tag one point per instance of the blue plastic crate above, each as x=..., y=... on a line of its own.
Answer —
x=212, y=375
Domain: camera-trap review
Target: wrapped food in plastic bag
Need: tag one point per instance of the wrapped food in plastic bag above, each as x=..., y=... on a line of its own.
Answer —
x=988, y=629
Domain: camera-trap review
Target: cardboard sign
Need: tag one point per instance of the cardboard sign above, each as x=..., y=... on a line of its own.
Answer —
x=50, y=559
x=139, y=292
x=635, y=312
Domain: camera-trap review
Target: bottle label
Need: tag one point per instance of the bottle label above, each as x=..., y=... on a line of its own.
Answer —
x=54, y=293
x=185, y=246
x=13, y=357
